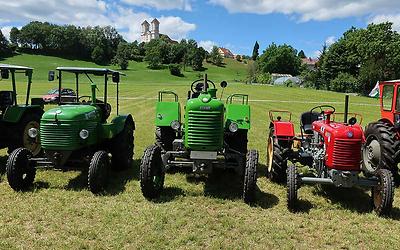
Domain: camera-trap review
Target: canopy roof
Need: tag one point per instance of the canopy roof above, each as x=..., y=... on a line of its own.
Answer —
x=15, y=67
x=96, y=71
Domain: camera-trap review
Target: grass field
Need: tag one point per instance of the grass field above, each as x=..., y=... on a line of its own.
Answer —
x=59, y=212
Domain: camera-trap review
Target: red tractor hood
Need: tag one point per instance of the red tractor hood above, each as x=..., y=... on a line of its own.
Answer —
x=343, y=144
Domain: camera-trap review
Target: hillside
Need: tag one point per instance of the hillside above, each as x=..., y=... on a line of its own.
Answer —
x=137, y=73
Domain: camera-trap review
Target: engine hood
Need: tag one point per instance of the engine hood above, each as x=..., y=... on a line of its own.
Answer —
x=338, y=130
x=72, y=113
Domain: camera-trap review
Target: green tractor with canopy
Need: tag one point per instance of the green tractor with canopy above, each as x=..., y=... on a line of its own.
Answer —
x=18, y=120
x=213, y=134
x=77, y=133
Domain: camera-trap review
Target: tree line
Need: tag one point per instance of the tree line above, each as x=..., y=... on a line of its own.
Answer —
x=104, y=45
x=354, y=63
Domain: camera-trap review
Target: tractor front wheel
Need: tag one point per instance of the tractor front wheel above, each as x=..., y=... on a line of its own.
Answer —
x=151, y=173
x=292, y=187
x=98, y=171
x=250, y=177
x=277, y=160
x=20, y=170
x=165, y=137
x=379, y=151
x=382, y=194
x=122, y=147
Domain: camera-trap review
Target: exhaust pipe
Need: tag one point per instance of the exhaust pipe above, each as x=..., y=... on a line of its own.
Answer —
x=346, y=108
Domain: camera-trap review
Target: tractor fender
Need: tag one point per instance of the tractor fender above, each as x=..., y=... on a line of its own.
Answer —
x=119, y=122
x=283, y=129
x=239, y=114
x=167, y=112
x=384, y=120
x=14, y=114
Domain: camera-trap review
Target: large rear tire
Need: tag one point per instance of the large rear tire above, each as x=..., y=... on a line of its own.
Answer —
x=250, y=177
x=381, y=146
x=151, y=173
x=29, y=120
x=292, y=187
x=382, y=195
x=122, y=147
x=98, y=172
x=277, y=156
x=20, y=171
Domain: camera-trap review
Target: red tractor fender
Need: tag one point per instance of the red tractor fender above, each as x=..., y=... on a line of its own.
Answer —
x=283, y=129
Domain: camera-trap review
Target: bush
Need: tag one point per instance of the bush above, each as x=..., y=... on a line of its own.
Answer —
x=345, y=82
x=175, y=69
x=264, y=78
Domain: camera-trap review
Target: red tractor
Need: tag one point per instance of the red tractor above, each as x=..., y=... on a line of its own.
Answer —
x=331, y=150
x=382, y=146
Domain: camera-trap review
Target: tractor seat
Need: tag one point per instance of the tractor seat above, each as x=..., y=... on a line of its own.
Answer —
x=306, y=120
x=105, y=110
x=6, y=99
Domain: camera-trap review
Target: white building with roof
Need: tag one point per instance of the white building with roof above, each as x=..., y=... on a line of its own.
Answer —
x=150, y=34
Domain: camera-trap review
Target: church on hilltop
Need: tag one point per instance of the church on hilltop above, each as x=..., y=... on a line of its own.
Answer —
x=154, y=33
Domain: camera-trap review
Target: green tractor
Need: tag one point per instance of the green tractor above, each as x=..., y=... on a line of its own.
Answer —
x=212, y=135
x=78, y=134
x=17, y=121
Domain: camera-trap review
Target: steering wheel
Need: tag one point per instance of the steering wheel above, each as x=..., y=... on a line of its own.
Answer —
x=89, y=99
x=331, y=108
x=197, y=85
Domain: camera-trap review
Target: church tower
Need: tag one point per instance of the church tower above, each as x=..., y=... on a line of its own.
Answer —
x=146, y=32
x=155, y=29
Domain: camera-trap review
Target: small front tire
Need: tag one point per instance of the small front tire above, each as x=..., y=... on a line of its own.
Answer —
x=98, y=172
x=250, y=177
x=151, y=173
x=383, y=193
x=20, y=170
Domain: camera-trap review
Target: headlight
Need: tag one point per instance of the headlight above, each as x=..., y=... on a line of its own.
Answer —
x=84, y=134
x=32, y=132
x=233, y=127
x=175, y=125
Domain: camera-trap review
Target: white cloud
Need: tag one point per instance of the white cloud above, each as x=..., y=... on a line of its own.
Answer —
x=175, y=27
x=207, y=45
x=330, y=40
x=395, y=19
x=316, y=54
x=162, y=4
x=311, y=9
x=90, y=13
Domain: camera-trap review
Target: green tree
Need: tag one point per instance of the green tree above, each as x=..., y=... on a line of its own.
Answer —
x=98, y=55
x=198, y=58
x=123, y=55
x=238, y=58
x=255, y=51
x=280, y=59
x=14, y=35
x=345, y=82
x=4, y=50
x=156, y=54
x=302, y=54
x=216, y=57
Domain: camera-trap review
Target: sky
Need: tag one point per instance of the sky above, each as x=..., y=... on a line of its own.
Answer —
x=234, y=24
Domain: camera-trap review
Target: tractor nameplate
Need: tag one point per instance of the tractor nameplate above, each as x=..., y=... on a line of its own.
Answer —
x=203, y=155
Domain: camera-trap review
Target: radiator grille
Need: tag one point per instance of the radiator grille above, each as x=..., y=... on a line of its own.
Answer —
x=347, y=153
x=205, y=130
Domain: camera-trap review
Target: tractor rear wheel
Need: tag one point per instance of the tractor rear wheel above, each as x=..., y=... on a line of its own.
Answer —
x=379, y=151
x=277, y=156
x=20, y=171
x=292, y=187
x=165, y=136
x=382, y=195
x=122, y=147
x=151, y=173
x=98, y=171
x=30, y=120
x=250, y=177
